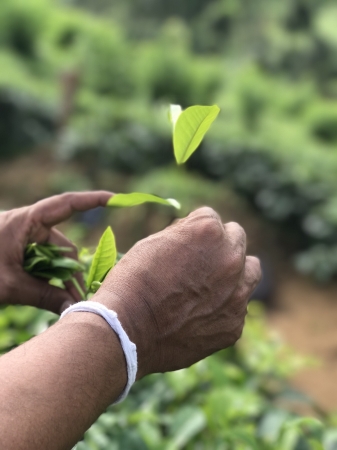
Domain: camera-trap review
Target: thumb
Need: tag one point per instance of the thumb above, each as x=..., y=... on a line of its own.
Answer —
x=32, y=291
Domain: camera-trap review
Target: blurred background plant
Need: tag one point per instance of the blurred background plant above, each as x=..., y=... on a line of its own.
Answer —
x=84, y=89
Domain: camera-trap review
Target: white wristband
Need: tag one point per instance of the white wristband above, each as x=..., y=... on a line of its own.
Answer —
x=129, y=348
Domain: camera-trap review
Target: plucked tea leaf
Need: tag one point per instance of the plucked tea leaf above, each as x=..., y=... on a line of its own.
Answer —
x=47, y=261
x=31, y=263
x=67, y=263
x=138, y=198
x=190, y=129
x=44, y=250
x=104, y=258
x=60, y=273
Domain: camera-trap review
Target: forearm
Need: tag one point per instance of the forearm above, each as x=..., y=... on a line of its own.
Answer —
x=57, y=384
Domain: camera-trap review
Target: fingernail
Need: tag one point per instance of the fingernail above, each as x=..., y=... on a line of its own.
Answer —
x=65, y=306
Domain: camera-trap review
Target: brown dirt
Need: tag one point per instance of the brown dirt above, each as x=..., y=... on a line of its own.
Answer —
x=307, y=319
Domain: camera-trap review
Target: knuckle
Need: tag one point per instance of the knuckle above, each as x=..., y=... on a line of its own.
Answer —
x=208, y=226
x=235, y=232
x=206, y=211
x=66, y=197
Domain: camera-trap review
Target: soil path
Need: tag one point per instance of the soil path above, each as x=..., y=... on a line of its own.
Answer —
x=303, y=312
x=306, y=318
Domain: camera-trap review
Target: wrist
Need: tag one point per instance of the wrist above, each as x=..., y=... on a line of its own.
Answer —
x=136, y=326
x=103, y=347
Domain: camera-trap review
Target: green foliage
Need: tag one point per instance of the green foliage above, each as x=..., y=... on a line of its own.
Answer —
x=21, y=25
x=190, y=129
x=47, y=261
x=18, y=324
x=169, y=72
x=104, y=258
x=274, y=80
x=230, y=400
x=138, y=198
x=271, y=67
x=24, y=122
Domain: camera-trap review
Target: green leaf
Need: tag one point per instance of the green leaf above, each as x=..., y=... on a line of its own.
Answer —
x=138, y=198
x=59, y=273
x=67, y=263
x=104, y=258
x=44, y=250
x=190, y=129
x=31, y=263
x=188, y=422
x=57, y=283
x=315, y=445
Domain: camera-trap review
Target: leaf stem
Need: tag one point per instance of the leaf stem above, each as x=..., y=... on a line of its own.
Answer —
x=78, y=288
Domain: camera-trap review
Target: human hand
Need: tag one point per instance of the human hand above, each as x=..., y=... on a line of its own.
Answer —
x=182, y=294
x=35, y=223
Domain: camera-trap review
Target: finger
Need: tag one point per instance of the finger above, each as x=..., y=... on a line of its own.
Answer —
x=236, y=307
x=235, y=249
x=251, y=277
x=204, y=211
x=228, y=240
x=31, y=291
x=210, y=222
x=54, y=210
x=57, y=238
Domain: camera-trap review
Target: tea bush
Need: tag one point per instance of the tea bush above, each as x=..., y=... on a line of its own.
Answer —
x=238, y=398
x=273, y=79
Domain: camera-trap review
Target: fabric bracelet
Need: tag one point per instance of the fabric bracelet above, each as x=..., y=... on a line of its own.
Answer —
x=129, y=348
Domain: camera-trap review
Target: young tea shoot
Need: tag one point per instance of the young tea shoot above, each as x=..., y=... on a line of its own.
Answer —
x=104, y=259
x=189, y=128
x=48, y=261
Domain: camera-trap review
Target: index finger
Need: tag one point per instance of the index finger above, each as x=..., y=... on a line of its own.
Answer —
x=53, y=210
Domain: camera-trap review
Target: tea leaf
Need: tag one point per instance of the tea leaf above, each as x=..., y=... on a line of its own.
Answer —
x=138, y=198
x=67, y=263
x=59, y=273
x=30, y=263
x=44, y=250
x=104, y=258
x=190, y=129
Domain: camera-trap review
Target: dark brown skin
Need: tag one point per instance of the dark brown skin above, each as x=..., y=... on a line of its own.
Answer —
x=36, y=223
x=180, y=295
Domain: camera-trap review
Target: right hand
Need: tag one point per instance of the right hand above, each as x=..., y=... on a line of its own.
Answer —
x=182, y=294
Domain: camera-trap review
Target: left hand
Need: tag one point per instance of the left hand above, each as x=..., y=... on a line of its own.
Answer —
x=35, y=223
